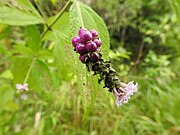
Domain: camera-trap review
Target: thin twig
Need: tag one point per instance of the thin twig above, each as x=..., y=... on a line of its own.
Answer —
x=137, y=61
x=57, y=18
x=140, y=52
x=123, y=35
x=29, y=70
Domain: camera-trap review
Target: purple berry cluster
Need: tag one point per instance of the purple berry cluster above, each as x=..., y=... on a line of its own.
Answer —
x=87, y=44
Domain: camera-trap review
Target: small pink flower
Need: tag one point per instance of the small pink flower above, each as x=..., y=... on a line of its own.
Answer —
x=24, y=96
x=19, y=86
x=22, y=88
x=123, y=93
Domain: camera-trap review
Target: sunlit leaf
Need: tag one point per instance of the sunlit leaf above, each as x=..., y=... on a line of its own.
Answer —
x=13, y=16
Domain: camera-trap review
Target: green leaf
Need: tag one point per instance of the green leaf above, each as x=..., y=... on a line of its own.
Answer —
x=20, y=68
x=175, y=4
x=7, y=74
x=83, y=16
x=63, y=57
x=24, y=51
x=75, y=24
x=26, y=5
x=6, y=94
x=40, y=78
x=23, y=5
x=92, y=81
x=61, y=47
x=5, y=31
x=100, y=26
x=13, y=16
x=45, y=55
x=61, y=26
x=34, y=39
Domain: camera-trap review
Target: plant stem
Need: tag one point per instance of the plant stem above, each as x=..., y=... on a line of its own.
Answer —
x=140, y=54
x=40, y=10
x=57, y=18
x=29, y=70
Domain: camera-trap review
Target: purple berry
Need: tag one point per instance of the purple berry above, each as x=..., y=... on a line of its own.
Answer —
x=81, y=48
x=76, y=40
x=82, y=30
x=98, y=42
x=85, y=36
x=94, y=33
x=91, y=47
x=82, y=58
x=94, y=56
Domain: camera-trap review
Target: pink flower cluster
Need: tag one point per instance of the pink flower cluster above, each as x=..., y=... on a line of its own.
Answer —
x=123, y=93
x=22, y=88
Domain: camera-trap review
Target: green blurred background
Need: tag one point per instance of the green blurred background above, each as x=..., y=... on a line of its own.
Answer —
x=145, y=47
